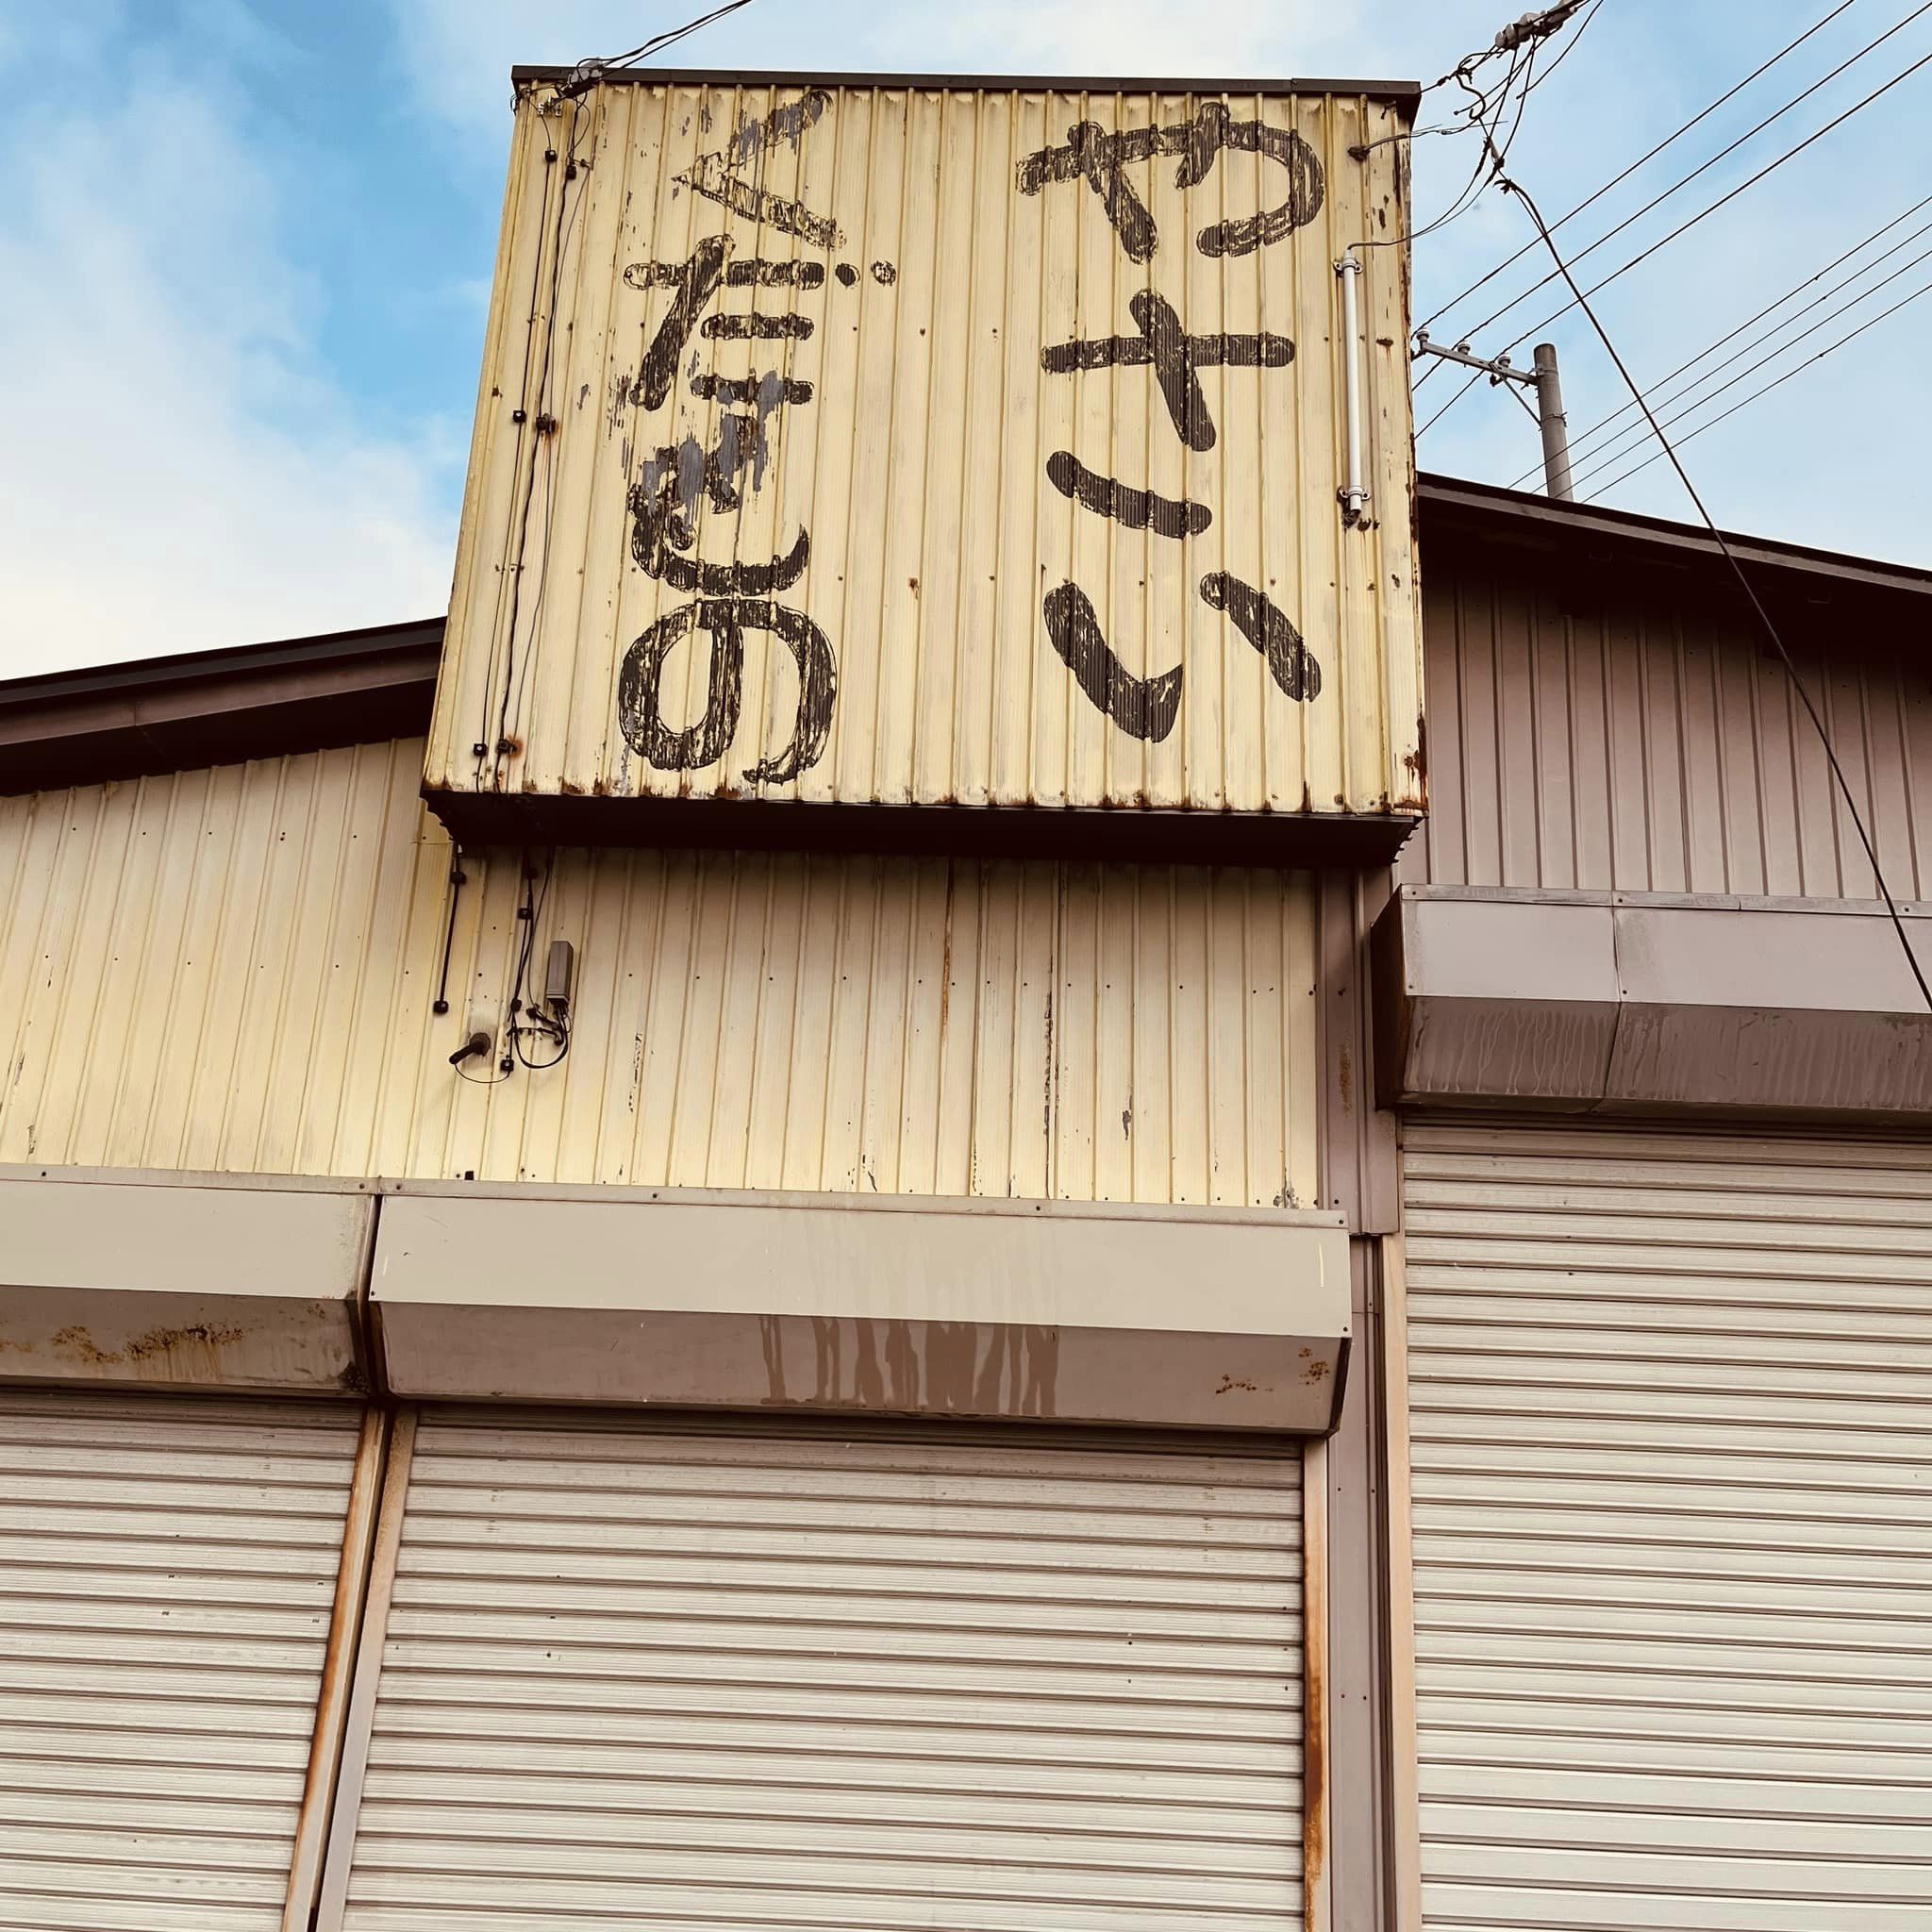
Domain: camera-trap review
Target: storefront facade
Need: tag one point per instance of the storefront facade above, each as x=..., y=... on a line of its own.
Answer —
x=1054, y=1313
x=733, y=1291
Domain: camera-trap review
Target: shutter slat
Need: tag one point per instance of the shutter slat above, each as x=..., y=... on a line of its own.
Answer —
x=1672, y=1503
x=635, y=1675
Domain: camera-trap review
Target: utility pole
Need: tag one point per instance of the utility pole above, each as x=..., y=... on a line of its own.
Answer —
x=1541, y=378
x=1553, y=423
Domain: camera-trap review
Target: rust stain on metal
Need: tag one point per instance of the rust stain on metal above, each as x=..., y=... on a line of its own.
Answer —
x=208, y=1335
x=1345, y=1076
x=1231, y=1385
x=344, y=1638
x=79, y=1342
x=1314, y=1744
x=917, y=1368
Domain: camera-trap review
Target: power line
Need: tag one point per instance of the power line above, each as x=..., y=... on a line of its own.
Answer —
x=1624, y=408
x=1485, y=114
x=1704, y=167
x=1602, y=457
x=587, y=70
x=1778, y=382
x=1591, y=200
x=1582, y=28
x=1449, y=404
x=1685, y=227
x=1744, y=583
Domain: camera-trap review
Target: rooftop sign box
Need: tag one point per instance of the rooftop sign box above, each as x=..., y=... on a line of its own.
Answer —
x=931, y=447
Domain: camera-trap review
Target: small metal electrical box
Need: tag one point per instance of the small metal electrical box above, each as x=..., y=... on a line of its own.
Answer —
x=556, y=977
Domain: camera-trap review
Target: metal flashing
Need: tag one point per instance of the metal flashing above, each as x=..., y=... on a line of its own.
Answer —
x=1407, y=91
x=1646, y=1004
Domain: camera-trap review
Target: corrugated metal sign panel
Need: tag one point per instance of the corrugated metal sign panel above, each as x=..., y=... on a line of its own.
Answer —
x=235, y=970
x=1672, y=1523
x=637, y=1674
x=918, y=446
x=167, y=1569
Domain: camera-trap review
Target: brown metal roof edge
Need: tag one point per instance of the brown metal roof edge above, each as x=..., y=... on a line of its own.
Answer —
x=214, y=707
x=1545, y=516
x=188, y=667
x=1407, y=93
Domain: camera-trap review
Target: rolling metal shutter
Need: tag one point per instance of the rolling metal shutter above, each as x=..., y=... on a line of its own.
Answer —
x=166, y=1570
x=667, y=1676
x=1671, y=1446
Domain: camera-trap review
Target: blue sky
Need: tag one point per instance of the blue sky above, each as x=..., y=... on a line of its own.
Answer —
x=246, y=248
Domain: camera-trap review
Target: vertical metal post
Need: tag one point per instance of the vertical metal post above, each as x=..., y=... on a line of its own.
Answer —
x=1555, y=425
x=1354, y=493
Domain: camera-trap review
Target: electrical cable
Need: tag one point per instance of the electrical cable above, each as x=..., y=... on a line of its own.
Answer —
x=1744, y=402
x=587, y=72
x=1744, y=584
x=1684, y=228
x=1582, y=28
x=1475, y=116
x=1618, y=446
x=1449, y=404
x=1770, y=308
x=1642, y=159
x=1923, y=8
x=533, y=424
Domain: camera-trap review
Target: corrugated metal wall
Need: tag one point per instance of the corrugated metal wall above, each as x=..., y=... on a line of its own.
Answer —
x=1673, y=1529
x=891, y=1678
x=867, y=381
x=234, y=970
x=1634, y=742
x=166, y=1570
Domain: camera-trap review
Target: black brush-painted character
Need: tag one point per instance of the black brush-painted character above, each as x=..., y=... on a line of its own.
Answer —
x=1174, y=356
x=676, y=482
x=726, y=620
x=1099, y=157
x=1146, y=708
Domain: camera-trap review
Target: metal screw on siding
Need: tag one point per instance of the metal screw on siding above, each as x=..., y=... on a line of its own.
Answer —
x=545, y=424
x=505, y=746
x=517, y=416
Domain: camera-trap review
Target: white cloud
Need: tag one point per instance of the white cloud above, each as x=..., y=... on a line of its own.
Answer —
x=1120, y=37
x=181, y=472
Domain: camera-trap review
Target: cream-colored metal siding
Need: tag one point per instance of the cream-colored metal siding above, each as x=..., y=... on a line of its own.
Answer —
x=234, y=970
x=1636, y=743
x=1672, y=1528
x=167, y=1569
x=643, y=1676
x=918, y=468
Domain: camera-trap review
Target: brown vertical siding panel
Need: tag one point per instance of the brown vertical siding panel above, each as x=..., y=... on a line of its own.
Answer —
x=1813, y=796
x=1846, y=687
x=1666, y=779
x=1482, y=826
x=1740, y=750
x=1600, y=731
x=1592, y=833
x=1701, y=759
x=1520, y=800
x=1552, y=712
